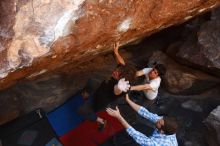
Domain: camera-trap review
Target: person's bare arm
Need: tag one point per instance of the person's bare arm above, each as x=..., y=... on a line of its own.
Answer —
x=139, y=73
x=135, y=106
x=140, y=138
x=116, y=114
x=141, y=87
x=118, y=57
x=143, y=111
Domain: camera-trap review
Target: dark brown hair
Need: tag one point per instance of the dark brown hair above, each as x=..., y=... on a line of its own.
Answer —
x=170, y=126
x=160, y=69
x=127, y=71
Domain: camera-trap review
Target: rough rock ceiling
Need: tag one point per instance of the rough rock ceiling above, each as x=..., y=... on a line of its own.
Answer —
x=39, y=36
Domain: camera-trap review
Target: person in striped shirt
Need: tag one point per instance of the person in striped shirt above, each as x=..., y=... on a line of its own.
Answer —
x=165, y=128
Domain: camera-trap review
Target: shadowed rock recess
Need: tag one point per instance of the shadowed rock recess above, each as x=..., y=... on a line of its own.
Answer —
x=40, y=36
x=213, y=123
x=201, y=49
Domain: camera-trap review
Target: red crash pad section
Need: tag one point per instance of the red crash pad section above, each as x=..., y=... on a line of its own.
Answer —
x=87, y=134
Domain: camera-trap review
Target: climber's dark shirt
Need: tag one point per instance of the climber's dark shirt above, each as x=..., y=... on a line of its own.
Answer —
x=105, y=94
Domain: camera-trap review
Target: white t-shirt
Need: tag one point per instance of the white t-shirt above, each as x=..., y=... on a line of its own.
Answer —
x=154, y=83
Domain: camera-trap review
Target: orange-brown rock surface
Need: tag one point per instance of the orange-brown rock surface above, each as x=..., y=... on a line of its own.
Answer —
x=38, y=36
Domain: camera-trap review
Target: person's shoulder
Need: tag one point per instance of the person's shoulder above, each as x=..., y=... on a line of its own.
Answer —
x=146, y=70
x=157, y=79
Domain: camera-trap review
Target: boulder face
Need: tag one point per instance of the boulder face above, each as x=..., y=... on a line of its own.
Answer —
x=213, y=124
x=202, y=48
x=39, y=36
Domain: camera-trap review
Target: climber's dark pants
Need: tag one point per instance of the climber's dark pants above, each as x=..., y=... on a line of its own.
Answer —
x=87, y=112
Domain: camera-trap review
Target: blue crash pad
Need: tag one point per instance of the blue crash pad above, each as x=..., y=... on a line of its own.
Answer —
x=64, y=118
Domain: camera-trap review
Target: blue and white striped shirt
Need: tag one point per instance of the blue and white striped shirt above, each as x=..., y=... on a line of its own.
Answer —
x=157, y=139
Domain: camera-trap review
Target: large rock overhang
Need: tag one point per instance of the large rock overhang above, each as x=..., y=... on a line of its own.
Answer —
x=41, y=36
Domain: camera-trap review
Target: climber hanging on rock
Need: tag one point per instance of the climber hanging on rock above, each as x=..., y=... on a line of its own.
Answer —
x=117, y=85
x=97, y=97
x=152, y=79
